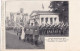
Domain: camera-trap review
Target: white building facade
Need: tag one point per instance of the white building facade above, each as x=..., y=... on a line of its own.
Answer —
x=43, y=18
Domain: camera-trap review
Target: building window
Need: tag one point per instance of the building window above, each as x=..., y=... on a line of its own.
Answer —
x=54, y=19
x=46, y=20
x=31, y=24
x=51, y=20
x=42, y=19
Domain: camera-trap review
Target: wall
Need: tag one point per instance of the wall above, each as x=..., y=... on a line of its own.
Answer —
x=50, y=16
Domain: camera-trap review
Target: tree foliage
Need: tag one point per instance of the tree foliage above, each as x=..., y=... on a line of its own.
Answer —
x=60, y=7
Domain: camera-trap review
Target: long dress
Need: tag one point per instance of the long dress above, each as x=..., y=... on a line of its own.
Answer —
x=23, y=34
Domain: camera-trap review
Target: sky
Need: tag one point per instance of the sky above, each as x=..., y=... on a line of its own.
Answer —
x=28, y=6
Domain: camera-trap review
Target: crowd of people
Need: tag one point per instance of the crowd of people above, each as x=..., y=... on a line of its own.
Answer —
x=32, y=33
x=61, y=28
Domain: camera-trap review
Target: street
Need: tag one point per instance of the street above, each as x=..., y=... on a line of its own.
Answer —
x=12, y=42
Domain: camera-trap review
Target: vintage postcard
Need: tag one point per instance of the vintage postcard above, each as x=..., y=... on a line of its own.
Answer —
x=39, y=25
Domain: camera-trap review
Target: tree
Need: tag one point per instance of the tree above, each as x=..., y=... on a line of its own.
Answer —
x=60, y=7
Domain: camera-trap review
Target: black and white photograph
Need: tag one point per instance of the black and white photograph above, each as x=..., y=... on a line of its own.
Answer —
x=27, y=23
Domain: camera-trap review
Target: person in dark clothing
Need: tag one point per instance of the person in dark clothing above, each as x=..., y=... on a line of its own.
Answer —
x=20, y=32
x=36, y=40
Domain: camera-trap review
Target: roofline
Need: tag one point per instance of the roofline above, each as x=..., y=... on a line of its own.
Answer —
x=45, y=14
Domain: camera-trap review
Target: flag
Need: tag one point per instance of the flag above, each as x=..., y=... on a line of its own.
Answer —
x=42, y=6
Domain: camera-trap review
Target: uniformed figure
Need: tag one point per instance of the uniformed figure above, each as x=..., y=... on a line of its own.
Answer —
x=36, y=40
x=19, y=32
x=44, y=30
x=40, y=30
x=59, y=31
x=26, y=30
x=52, y=29
x=31, y=35
x=36, y=35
